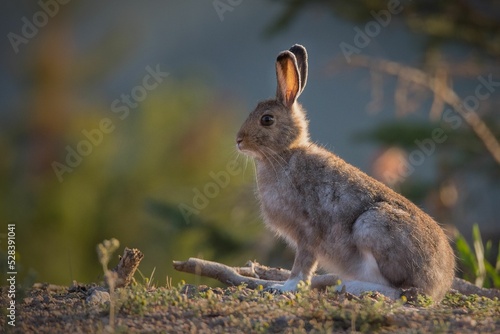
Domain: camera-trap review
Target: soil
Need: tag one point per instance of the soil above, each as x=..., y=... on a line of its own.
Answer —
x=47, y=308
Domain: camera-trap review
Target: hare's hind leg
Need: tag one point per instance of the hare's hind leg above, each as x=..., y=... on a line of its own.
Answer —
x=389, y=252
x=410, y=250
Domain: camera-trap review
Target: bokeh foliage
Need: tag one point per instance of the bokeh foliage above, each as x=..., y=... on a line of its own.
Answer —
x=467, y=22
x=130, y=187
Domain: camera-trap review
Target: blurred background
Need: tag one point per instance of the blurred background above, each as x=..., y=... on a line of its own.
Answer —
x=118, y=119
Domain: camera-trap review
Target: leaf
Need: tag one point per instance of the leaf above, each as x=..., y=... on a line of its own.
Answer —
x=487, y=249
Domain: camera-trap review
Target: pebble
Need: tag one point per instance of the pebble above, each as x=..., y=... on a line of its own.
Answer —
x=98, y=296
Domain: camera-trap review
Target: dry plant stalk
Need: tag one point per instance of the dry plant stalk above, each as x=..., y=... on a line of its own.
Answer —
x=255, y=274
x=121, y=275
x=126, y=268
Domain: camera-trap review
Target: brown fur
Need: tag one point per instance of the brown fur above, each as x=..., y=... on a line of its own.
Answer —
x=330, y=211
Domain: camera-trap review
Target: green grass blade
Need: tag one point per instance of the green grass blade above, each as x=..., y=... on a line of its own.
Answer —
x=497, y=266
x=493, y=275
x=467, y=257
x=479, y=250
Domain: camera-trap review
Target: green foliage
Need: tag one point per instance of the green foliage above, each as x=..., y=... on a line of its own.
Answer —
x=476, y=267
x=421, y=300
x=471, y=302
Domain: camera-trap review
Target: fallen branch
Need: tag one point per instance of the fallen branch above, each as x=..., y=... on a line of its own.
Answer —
x=467, y=288
x=250, y=276
x=255, y=274
x=223, y=273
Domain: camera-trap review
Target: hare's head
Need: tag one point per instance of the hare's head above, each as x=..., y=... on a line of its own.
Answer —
x=279, y=124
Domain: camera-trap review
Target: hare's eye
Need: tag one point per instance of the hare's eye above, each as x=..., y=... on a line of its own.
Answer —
x=267, y=120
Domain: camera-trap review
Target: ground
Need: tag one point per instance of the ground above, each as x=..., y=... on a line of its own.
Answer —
x=188, y=309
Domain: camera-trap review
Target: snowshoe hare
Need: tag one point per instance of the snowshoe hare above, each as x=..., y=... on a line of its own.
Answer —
x=332, y=213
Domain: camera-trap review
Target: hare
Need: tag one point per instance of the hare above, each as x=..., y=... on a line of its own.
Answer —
x=332, y=213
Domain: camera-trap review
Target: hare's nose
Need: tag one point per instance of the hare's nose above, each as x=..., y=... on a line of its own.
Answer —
x=239, y=140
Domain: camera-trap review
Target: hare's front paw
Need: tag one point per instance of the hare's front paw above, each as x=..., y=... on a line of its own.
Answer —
x=289, y=285
x=275, y=289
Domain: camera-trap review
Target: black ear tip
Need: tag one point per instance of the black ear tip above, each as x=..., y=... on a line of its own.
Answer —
x=297, y=48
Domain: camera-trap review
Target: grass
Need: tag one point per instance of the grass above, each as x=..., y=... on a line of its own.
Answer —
x=477, y=268
x=146, y=308
x=257, y=311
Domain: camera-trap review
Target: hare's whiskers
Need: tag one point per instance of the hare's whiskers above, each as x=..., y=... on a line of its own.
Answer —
x=275, y=157
x=245, y=167
x=271, y=163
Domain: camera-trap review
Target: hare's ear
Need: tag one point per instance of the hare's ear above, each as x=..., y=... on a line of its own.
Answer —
x=288, y=77
x=301, y=55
